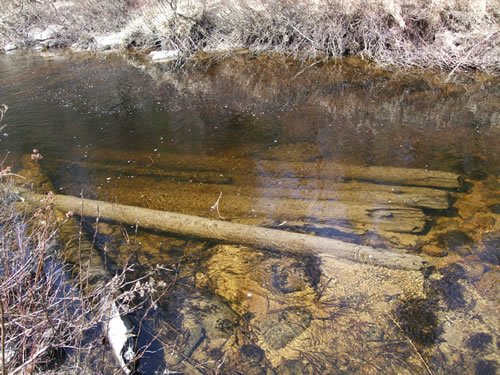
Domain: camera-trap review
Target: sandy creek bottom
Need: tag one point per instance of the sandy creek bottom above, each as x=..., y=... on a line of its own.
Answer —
x=234, y=309
x=133, y=134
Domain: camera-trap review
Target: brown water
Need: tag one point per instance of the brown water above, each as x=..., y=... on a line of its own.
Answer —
x=283, y=146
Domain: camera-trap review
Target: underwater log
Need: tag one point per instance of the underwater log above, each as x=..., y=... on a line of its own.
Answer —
x=198, y=202
x=320, y=168
x=218, y=230
x=290, y=188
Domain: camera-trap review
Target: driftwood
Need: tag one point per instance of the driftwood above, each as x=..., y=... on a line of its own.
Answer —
x=318, y=169
x=306, y=189
x=223, y=231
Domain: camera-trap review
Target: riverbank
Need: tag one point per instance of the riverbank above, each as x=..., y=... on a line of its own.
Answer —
x=455, y=36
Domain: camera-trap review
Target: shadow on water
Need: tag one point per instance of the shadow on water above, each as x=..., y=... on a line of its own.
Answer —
x=316, y=151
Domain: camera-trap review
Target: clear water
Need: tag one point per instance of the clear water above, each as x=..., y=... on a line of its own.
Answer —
x=262, y=134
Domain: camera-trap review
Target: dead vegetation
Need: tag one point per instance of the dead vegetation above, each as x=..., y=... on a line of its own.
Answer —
x=44, y=317
x=453, y=35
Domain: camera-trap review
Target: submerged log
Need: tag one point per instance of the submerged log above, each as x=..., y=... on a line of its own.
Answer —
x=317, y=169
x=207, y=177
x=223, y=231
x=305, y=189
x=392, y=218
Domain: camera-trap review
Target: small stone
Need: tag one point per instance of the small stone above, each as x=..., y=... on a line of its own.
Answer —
x=463, y=250
x=434, y=251
x=489, y=285
x=164, y=56
x=109, y=41
x=9, y=47
x=474, y=270
x=49, y=33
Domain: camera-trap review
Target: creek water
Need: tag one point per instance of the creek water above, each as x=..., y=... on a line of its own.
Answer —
x=287, y=146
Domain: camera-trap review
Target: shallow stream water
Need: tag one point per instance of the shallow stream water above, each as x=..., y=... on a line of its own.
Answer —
x=311, y=148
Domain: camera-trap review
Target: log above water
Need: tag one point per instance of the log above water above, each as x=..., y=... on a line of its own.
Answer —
x=223, y=231
x=320, y=168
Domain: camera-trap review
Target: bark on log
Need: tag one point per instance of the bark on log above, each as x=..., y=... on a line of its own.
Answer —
x=232, y=233
x=271, y=168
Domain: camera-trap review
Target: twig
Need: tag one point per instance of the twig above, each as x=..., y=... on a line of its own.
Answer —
x=303, y=70
x=13, y=174
x=4, y=371
x=32, y=359
x=3, y=110
x=216, y=206
x=467, y=56
x=413, y=346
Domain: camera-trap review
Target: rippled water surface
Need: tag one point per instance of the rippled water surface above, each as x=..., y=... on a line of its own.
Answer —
x=401, y=162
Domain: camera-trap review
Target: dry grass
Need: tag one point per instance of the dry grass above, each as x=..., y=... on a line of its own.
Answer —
x=79, y=20
x=42, y=315
x=449, y=34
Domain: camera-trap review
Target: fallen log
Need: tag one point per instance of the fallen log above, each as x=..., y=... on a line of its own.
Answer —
x=320, y=168
x=223, y=231
x=207, y=177
x=290, y=188
x=391, y=218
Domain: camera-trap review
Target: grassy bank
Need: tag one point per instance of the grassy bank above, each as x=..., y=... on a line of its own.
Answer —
x=448, y=34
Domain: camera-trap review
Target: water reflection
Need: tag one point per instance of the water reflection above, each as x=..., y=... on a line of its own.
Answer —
x=313, y=152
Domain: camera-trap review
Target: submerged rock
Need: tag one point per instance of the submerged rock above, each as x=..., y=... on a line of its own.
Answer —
x=434, y=251
x=279, y=329
x=456, y=241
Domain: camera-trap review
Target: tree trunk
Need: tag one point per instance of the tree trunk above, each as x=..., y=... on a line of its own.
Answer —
x=317, y=169
x=305, y=189
x=196, y=201
x=223, y=231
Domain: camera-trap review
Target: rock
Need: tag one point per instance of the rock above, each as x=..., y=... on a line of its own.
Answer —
x=109, y=41
x=495, y=208
x=51, y=43
x=474, y=270
x=489, y=285
x=164, y=56
x=49, y=33
x=463, y=250
x=456, y=241
x=434, y=251
x=9, y=47
x=280, y=328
